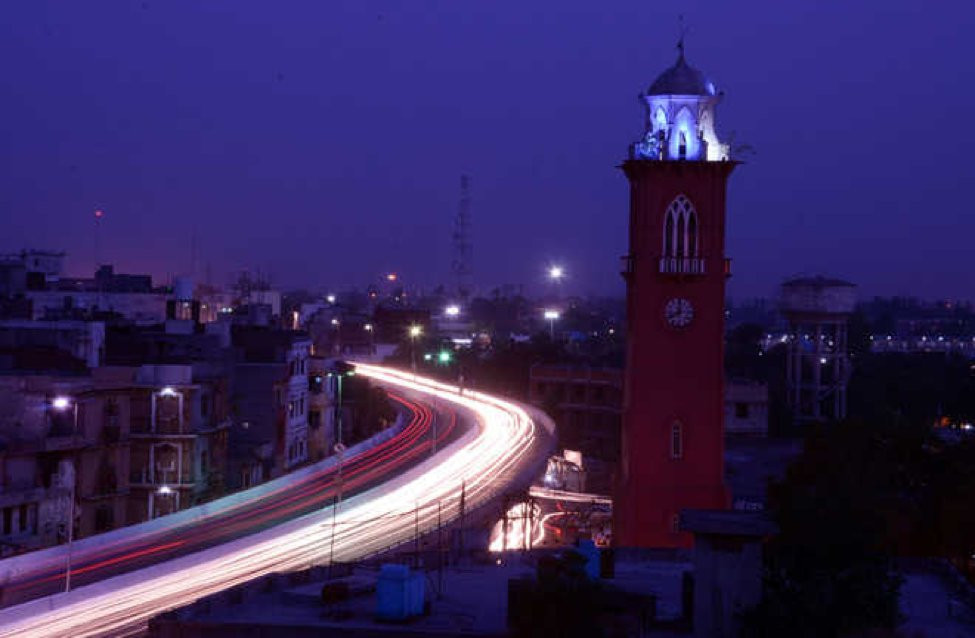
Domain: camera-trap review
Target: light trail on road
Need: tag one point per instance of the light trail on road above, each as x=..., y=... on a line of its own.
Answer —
x=474, y=468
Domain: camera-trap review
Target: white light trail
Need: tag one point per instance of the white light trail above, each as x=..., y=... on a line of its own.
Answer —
x=482, y=460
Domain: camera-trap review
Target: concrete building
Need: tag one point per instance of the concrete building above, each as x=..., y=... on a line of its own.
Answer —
x=271, y=402
x=746, y=408
x=63, y=439
x=84, y=340
x=177, y=428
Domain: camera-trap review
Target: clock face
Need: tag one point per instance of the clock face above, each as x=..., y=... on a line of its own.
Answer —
x=679, y=312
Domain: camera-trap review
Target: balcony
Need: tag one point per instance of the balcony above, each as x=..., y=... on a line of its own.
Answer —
x=58, y=441
x=144, y=478
x=626, y=266
x=682, y=265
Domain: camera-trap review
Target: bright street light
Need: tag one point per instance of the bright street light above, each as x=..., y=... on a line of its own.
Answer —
x=367, y=327
x=330, y=298
x=61, y=403
x=552, y=316
x=452, y=311
x=415, y=331
x=556, y=273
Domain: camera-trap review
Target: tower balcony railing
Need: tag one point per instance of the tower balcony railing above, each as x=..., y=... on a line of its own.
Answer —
x=682, y=265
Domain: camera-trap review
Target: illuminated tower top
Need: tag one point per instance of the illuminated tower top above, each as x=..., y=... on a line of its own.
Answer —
x=680, y=117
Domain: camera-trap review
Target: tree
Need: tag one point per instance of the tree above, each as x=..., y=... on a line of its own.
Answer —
x=843, y=508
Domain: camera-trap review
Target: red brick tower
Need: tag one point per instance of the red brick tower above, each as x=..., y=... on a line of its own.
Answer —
x=672, y=444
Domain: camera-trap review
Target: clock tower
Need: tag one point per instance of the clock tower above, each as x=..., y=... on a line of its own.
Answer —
x=673, y=440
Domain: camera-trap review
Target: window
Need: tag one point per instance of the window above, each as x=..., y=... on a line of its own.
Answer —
x=741, y=410
x=681, y=249
x=676, y=441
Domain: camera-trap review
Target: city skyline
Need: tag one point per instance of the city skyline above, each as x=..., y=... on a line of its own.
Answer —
x=336, y=136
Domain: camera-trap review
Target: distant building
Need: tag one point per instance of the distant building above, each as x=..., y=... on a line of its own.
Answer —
x=587, y=404
x=84, y=340
x=132, y=297
x=745, y=408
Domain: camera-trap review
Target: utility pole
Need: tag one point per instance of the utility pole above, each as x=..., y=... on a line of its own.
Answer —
x=416, y=534
x=440, y=549
x=331, y=544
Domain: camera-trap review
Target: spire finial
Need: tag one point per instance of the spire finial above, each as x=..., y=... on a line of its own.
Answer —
x=681, y=32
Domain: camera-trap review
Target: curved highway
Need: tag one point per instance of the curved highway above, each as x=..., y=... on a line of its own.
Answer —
x=236, y=518
x=469, y=469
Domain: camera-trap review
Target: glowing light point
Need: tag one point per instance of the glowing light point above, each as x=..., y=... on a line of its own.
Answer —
x=551, y=315
x=452, y=311
x=61, y=403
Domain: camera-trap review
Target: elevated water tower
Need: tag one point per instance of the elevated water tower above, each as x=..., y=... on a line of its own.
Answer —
x=818, y=310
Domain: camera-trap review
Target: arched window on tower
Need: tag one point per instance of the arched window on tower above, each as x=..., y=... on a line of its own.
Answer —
x=681, y=244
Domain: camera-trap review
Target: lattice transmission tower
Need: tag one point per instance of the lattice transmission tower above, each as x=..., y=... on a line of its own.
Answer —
x=462, y=247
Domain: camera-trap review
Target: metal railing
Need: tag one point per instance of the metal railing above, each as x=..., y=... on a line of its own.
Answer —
x=682, y=265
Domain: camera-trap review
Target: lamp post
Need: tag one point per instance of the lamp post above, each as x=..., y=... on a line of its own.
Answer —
x=552, y=316
x=415, y=331
x=338, y=375
x=555, y=275
x=63, y=404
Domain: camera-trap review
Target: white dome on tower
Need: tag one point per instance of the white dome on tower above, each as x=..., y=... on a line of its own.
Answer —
x=680, y=117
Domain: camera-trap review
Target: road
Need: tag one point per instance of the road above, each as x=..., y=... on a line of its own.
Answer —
x=240, y=517
x=468, y=470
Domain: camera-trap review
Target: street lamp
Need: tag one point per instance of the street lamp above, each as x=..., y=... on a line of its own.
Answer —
x=555, y=273
x=415, y=331
x=552, y=316
x=339, y=374
x=63, y=404
x=452, y=310
x=330, y=299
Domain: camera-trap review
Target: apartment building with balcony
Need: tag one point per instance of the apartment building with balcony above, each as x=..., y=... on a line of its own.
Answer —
x=59, y=443
x=176, y=424
x=271, y=404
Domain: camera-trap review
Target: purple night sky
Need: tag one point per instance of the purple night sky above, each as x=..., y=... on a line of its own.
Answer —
x=324, y=141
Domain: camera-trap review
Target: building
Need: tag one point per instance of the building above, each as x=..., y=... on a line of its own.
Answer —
x=131, y=297
x=84, y=340
x=675, y=272
x=177, y=425
x=586, y=404
x=271, y=401
x=746, y=408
